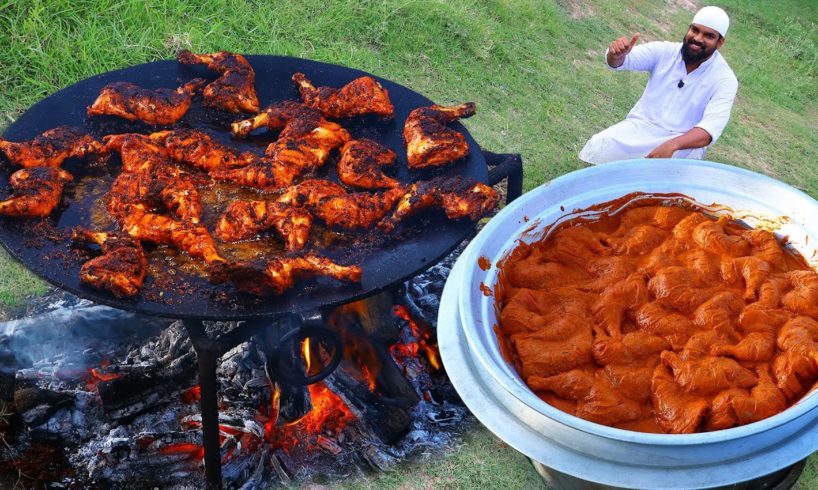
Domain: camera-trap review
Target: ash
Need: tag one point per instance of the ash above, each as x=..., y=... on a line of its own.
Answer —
x=118, y=391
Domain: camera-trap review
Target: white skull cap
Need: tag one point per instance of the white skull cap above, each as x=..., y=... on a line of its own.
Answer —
x=714, y=18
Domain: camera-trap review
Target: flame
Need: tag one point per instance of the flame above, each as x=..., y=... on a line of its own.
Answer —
x=192, y=395
x=272, y=418
x=422, y=338
x=194, y=451
x=305, y=348
x=95, y=376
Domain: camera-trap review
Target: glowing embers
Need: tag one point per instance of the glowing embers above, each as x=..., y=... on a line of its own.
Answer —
x=419, y=340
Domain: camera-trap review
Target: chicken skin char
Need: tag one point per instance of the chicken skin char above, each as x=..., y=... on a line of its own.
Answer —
x=429, y=142
x=199, y=150
x=303, y=146
x=361, y=165
x=234, y=90
x=37, y=191
x=363, y=95
x=244, y=219
x=51, y=148
x=121, y=267
x=152, y=106
x=278, y=275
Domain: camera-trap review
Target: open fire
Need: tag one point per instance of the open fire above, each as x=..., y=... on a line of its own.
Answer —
x=119, y=392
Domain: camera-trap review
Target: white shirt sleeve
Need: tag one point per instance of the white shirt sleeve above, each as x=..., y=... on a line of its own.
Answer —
x=717, y=111
x=643, y=57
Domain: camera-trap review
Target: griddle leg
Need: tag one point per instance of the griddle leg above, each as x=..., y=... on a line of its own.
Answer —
x=207, y=357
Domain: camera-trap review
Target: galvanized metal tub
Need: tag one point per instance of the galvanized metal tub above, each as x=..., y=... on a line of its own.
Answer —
x=495, y=392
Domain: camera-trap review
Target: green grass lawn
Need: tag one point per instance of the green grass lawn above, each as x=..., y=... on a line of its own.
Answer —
x=533, y=67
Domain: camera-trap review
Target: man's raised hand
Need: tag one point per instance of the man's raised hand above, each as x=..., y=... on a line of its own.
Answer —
x=620, y=48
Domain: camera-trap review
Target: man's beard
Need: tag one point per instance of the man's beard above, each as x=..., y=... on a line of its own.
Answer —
x=692, y=57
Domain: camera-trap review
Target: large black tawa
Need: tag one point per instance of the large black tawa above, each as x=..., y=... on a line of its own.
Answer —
x=172, y=290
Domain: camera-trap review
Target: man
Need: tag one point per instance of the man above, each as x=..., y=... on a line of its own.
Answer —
x=686, y=103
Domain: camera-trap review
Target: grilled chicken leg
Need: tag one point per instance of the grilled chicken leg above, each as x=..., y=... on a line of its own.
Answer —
x=137, y=222
x=302, y=147
x=459, y=197
x=150, y=178
x=134, y=103
x=278, y=275
x=363, y=95
x=357, y=210
x=361, y=162
x=244, y=219
x=429, y=143
x=235, y=90
x=37, y=191
x=199, y=150
x=121, y=267
x=52, y=147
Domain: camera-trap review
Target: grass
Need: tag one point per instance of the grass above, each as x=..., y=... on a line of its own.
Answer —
x=533, y=67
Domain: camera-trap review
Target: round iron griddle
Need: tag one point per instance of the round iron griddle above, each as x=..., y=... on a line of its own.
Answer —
x=44, y=246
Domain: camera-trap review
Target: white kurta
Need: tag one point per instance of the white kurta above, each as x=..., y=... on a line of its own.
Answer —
x=666, y=110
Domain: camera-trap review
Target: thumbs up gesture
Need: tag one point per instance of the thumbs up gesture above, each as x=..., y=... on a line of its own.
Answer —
x=620, y=48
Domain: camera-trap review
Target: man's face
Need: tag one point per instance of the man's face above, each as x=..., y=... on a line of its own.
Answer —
x=700, y=43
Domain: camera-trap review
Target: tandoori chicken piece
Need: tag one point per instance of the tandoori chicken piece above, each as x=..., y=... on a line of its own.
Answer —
x=235, y=90
x=37, y=191
x=121, y=267
x=361, y=165
x=52, y=147
x=152, y=106
x=279, y=274
x=459, y=196
x=150, y=178
x=429, y=143
x=244, y=219
x=357, y=210
x=597, y=399
x=302, y=147
x=137, y=222
x=363, y=95
x=676, y=412
x=199, y=150
x=803, y=298
x=310, y=192
x=739, y=407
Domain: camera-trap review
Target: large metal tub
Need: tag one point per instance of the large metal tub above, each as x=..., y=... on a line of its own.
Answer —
x=501, y=400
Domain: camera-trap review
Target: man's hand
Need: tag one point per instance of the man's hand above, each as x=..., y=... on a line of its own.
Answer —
x=665, y=150
x=620, y=48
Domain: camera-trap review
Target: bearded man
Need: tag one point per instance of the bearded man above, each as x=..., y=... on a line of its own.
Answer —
x=686, y=103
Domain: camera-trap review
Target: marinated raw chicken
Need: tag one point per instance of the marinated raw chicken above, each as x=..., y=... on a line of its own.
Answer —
x=429, y=143
x=363, y=95
x=459, y=196
x=150, y=178
x=278, y=275
x=703, y=323
x=302, y=147
x=151, y=106
x=597, y=399
x=121, y=267
x=676, y=412
x=199, y=150
x=361, y=165
x=52, y=147
x=738, y=406
x=709, y=375
x=37, y=191
x=137, y=222
x=235, y=90
x=244, y=219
